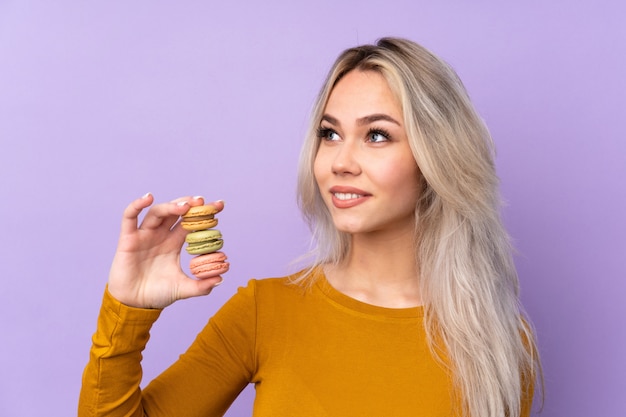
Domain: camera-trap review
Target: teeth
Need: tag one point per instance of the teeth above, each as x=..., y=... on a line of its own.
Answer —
x=346, y=196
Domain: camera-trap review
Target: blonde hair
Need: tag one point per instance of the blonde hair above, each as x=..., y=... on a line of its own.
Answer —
x=473, y=317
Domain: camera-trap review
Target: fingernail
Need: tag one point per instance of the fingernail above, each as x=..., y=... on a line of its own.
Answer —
x=181, y=203
x=218, y=283
x=198, y=197
x=221, y=201
x=146, y=195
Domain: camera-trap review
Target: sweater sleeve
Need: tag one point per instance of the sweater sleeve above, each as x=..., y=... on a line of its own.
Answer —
x=218, y=365
x=204, y=381
x=111, y=379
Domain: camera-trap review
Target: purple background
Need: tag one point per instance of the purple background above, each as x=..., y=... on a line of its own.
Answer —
x=101, y=102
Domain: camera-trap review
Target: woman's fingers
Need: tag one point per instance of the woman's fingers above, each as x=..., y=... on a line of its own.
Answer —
x=218, y=204
x=163, y=213
x=132, y=211
x=193, y=201
x=167, y=214
x=194, y=288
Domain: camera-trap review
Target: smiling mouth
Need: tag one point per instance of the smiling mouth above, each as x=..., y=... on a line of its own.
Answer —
x=347, y=196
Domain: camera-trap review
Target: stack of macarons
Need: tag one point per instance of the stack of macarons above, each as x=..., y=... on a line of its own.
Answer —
x=204, y=242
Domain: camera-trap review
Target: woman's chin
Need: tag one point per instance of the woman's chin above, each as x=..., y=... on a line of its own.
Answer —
x=351, y=228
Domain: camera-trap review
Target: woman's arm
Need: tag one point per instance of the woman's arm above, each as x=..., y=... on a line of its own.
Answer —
x=145, y=277
x=112, y=376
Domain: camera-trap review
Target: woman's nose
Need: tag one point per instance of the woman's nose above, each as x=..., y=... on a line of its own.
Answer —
x=345, y=160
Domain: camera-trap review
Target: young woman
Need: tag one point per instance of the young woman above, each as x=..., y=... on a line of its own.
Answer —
x=410, y=304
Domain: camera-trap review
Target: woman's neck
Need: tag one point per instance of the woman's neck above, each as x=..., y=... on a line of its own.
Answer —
x=379, y=270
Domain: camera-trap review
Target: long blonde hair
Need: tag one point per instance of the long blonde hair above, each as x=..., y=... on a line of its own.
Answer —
x=473, y=317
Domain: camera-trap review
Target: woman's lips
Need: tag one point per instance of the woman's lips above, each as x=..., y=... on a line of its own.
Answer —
x=346, y=197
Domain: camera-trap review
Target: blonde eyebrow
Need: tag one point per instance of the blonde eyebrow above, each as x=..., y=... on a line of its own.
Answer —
x=366, y=120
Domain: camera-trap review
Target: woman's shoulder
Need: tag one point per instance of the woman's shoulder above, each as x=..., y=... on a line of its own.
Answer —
x=261, y=297
x=295, y=282
x=288, y=288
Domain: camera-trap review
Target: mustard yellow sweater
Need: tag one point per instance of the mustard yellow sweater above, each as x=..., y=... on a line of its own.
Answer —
x=309, y=353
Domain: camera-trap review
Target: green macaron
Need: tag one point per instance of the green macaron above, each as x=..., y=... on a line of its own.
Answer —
x=204, y=241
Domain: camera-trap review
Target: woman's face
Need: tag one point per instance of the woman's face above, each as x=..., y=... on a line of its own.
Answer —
x=364, y=167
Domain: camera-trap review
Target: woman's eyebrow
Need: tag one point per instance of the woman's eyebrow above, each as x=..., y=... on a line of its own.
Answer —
x=376, y=117
x=330, y=119
x=362, y=121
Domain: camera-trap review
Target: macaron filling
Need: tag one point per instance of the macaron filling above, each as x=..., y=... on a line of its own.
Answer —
x=198, y=223
x=204, y=241
x=199, y=218
x=209, y=265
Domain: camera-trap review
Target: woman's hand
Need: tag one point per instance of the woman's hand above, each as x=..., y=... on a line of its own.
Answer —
x=146, y=268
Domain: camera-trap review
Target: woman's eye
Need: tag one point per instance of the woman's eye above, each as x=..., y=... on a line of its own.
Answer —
x=377, y=136
x=327, y=134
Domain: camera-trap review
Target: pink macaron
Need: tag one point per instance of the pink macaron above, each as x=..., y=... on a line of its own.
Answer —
x=209, y=265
